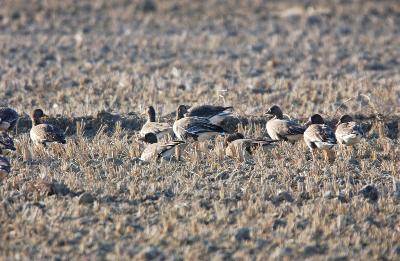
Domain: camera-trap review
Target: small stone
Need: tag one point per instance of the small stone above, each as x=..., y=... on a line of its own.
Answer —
x=152, y=253
x=243, y=234
x=58, y=189
x=338, y=258
x=279, y=253
x=86, y=198
x=258, y=48
x=342, y=197
x=302, y=224
x=282, y=196
x=149, y=6
x=312, y=250
x=370, y=192
x=304, y=196
x=328, y=194
x=280, y=222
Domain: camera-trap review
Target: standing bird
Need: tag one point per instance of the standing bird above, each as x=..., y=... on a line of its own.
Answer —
x=320, y=136
x=5, y=167
x=216, y=114
x=43, y=133
x=195, y=128
x=8, y=118
x=155, y=151
x=6, y=142
x=241, y=148
x=348, y=132
x=160, y=129
x=280, y=129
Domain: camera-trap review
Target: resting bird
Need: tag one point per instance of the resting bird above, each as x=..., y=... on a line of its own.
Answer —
x=8, y=118
x=280, y=129
x=160, y=129
x=155, y=151
x=318, y=135
x=42, y=133
x=216, y=114
x=241, y=148
x=6, y=142
x=194, y=128
x=348, y=132
x=5, y=167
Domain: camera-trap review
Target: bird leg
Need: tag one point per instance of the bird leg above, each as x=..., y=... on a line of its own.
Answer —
x=178, y=153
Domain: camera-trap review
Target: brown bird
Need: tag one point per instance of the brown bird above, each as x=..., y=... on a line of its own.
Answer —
x=348, y=132
x=155, y=151
x=42, y=133
x=241, y=148
x=8, y=118
x=215, y=114
x=194, y=128
x=161, y=129
x=318, y=135
x=280, y=129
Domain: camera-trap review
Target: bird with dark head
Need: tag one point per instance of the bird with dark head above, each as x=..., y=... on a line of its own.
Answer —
x=241, y=148
x=160, y=129
x=37, y=116
x=157, y=150
x=194, y=128
x=281, y=129
x=181, y=111
x=43, y=133
x=320, y=136
x=348, y=132
x=276, y=111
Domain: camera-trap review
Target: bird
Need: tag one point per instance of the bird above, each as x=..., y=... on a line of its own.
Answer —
x=280, y=129
x=8, y=118
x=6, y=142
x=348, y=132
x=161, y=129
x=155, y=150
x=216, y=114
x=194, y=128
x=5, y=167
x=43, y=133
x=241, y=148
x=320, y=136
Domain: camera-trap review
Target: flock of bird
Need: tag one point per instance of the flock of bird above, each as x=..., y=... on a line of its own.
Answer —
x=198, y=123
x=201, y=123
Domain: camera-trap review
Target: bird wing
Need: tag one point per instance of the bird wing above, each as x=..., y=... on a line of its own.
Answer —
x=155, y=127
x=325, y=134
x=9, y=115
x=199, y=125
x=5, y=164
x=6, y=141
x=49, y=132
x=208, y=111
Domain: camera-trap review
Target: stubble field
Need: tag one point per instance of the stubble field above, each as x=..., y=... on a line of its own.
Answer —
x=95, y=65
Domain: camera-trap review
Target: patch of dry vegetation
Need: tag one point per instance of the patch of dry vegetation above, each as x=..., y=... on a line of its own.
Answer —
x=95, y=65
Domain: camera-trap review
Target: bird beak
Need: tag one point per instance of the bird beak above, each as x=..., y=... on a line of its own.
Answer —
x=308, y=123
x=141, y=138
x=269, y=112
